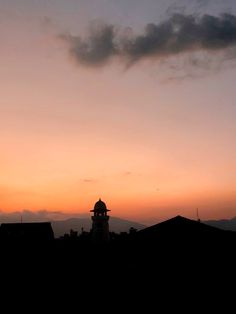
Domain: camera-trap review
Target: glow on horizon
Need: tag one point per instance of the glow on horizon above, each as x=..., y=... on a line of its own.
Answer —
x=70, y=135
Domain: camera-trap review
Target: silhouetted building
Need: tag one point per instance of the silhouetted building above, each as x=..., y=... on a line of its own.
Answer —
x=40, y=231
x=100, y=226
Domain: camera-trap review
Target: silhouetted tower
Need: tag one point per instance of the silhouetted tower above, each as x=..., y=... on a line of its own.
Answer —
x=100, y=227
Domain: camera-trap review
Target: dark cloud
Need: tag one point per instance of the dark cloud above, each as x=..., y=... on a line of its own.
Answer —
x=177, y=35
x=97, y=48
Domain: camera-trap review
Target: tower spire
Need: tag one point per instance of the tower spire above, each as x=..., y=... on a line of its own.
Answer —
x=198, y=218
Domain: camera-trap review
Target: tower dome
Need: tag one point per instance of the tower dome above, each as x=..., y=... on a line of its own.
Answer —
x=100, y=206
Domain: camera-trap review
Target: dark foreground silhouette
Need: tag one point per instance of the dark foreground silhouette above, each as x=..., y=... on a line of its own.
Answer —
x=164, y=257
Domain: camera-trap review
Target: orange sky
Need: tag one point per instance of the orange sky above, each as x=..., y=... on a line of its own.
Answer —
x=70, y=135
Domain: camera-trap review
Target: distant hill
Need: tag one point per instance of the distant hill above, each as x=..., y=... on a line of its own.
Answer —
x=116, y=225
x=225, y=224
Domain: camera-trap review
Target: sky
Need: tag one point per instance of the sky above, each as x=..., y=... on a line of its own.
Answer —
x=147, y=125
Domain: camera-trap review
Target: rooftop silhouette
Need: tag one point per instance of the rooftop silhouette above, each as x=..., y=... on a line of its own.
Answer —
x=37, y=231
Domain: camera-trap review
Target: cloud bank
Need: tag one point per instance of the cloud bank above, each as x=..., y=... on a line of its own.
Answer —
x=36, y=216
x=179, y=34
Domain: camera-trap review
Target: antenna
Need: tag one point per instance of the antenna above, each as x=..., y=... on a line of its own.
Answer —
x=21, y=219
x=198, y=218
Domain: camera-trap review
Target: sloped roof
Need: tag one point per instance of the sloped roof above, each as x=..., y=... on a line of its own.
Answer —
x=179, y=223
x=176, y=228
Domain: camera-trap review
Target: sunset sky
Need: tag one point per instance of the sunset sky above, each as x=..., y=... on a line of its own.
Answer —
x=154, y=136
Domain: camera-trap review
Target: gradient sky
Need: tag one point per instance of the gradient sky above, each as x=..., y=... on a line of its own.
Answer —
x=152, y=141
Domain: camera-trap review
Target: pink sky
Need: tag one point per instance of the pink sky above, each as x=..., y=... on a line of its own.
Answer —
x=69, y=135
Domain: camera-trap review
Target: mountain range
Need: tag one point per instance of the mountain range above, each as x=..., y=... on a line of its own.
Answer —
x=225, y=224
x=62, y=224
x=60, y=227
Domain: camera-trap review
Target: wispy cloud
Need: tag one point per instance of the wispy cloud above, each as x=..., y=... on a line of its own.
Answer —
x=36, y=216
x=90, y=180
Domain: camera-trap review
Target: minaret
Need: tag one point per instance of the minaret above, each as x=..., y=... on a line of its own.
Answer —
x=100, y=227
